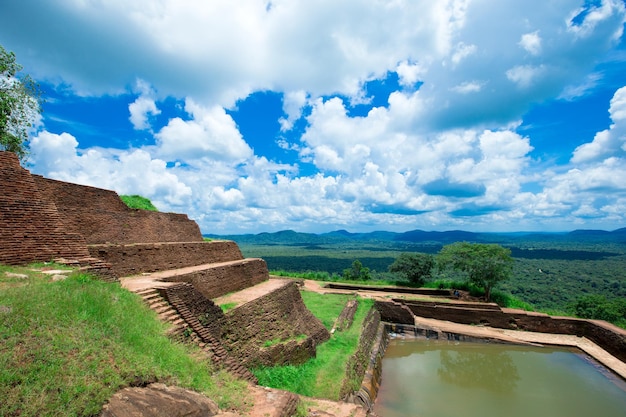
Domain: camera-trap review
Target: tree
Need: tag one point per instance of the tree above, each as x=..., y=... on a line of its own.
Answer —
x=485, y=264
x=357, y=273
x=414, y=267
x=19, y=105
x=598, y=307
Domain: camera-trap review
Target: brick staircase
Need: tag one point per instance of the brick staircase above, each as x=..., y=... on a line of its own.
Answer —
x=208, y=343
x=171, y=309
x=165, y=311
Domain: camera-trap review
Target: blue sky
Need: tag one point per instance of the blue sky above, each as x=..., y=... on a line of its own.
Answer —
x=256, y=116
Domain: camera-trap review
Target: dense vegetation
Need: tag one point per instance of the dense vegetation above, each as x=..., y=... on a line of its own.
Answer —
x=70, y=345
x=323, y=375
x=138, y=202
x=551, y=272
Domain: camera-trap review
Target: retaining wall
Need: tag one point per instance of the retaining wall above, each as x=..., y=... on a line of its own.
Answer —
x=217, y=280
x=100, y=216
x=30, y=226
x=366, y=363
x=281, y=316
x=133, y=259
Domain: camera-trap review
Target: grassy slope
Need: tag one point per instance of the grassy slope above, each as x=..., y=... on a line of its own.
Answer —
x=67, y=346
x=321, y=376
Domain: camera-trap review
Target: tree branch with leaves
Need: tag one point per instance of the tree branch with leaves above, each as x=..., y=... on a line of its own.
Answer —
x=20, y=105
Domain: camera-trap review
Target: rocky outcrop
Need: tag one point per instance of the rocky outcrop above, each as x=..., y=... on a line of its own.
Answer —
x=159, y=400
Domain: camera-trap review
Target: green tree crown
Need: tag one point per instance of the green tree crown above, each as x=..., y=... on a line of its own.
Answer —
x=414, y=267
x=485, y=264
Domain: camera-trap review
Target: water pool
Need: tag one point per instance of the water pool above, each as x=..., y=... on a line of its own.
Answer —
x=437, y=378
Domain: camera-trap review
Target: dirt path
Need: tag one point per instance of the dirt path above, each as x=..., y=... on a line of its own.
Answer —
x=252, y=293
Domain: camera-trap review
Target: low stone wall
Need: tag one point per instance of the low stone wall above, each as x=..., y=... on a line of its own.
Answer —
x=100, y=216
x=366, y=363
x=610, y=338
x=392, y=312
x=218, y=280
x=135, y=259
x=433, y=292
x=30, y=226
x=281, y=316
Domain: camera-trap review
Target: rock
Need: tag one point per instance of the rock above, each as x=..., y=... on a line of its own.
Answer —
x=159, y=400
x=58, y=277
x=14, y=275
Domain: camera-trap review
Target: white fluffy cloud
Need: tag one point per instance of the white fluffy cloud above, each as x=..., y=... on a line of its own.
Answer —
x=143, y=107
x=610, y=142
x=211, y=133
x=444, y=146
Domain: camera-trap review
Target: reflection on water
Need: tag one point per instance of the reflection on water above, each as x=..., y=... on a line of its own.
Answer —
x=485, y=370
x=440, y=378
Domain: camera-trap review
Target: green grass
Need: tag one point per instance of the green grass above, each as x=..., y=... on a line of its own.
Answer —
x=68, y=346
x=323, y=375
x=138, y=202
x=226, y=307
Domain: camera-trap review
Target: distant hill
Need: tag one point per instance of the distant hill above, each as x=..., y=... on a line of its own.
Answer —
x=293, y=238
x=441, y=237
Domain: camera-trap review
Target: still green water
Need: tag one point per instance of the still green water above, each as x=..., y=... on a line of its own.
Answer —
x=432, y=378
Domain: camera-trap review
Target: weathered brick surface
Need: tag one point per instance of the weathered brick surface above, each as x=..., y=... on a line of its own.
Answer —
x=203, y=309
x=101, y=216
x=280, y=315
x=218, y=280
x=30, y=226
x=394, y=313
x=133, y=259
x=359, y=362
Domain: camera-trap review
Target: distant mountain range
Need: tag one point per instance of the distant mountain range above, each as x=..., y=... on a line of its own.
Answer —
x=290, y=237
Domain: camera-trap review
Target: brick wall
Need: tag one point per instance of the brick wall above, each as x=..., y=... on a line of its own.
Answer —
x=360, y=361
x=101, y=216
x=279, y=315
x=204, y=310
x=133, y=259
x=220, y=280
x=30, y=226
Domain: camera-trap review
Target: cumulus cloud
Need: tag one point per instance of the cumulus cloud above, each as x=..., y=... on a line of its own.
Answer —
x=143, y=107
x=531, y=42
x=610, y=142
x=211, y=133
x=442, y=147
x=293, y=102
x=127, y=172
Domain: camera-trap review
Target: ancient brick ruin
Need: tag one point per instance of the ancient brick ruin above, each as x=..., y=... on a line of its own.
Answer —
x=43, y=220
x=182, y=275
